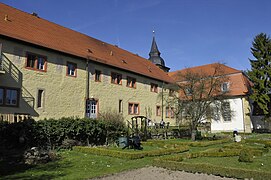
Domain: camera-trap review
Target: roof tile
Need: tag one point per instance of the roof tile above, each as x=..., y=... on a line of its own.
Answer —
x=29, y=28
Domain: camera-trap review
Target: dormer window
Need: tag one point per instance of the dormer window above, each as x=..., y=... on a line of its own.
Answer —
x=225, y=87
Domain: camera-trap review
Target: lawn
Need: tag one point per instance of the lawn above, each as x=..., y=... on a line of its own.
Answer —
x=77, y=165
x=84, y=165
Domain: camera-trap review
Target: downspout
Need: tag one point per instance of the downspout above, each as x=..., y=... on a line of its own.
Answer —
x=243, y=115
x=87, y=86
x=163, y=101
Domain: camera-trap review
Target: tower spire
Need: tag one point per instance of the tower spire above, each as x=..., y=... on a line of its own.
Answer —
x=155, y=55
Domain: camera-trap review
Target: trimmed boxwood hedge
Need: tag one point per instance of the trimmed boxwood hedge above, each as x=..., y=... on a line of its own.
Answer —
x=267, y=143
x=175, y=163
x=212, y=169
x=163, y=143
x=129, y=155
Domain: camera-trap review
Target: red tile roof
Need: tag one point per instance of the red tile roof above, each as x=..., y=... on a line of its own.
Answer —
x=239, y=83
x=29, y=28
x=207, y=70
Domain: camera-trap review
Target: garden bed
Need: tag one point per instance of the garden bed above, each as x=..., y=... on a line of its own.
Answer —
x=131, y=154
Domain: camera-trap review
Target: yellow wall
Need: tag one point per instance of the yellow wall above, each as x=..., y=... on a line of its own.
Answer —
x=247, y=115
x=65, y=96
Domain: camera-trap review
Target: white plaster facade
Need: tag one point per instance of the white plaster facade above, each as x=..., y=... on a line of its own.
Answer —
x=240, y=117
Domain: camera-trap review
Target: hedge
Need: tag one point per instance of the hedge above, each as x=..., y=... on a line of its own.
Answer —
x=52, y=133
x=212, y=169
x=163, y=143
x=267, y=143
x=129, y=155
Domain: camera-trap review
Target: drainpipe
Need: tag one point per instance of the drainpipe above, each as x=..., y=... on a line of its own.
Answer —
x=163, y=101
x=243, y=115
x=87, y=85
x=1, y=67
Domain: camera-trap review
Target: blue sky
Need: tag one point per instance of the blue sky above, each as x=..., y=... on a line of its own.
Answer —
x=188, y=32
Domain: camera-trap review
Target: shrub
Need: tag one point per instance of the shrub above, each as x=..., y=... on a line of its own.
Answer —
x=51, y=133
x=114, y=125
x=129, y=155
x=245, y=156
x=36, y=155
x=212, y=169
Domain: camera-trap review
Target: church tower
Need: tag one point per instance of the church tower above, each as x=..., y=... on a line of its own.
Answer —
x=155, y=57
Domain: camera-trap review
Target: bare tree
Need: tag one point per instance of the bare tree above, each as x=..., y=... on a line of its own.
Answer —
x=201, y=95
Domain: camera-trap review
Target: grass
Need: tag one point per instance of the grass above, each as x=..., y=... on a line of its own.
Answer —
x=78, y=165
x=234, y=163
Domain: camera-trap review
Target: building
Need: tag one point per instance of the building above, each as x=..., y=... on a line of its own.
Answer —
x=49, y=71
x=235, y=87
x=155, y=56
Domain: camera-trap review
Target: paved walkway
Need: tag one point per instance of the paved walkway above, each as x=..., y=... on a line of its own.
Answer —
x=154, y=173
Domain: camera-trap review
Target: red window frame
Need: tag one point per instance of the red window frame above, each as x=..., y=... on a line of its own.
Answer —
x=75, y=69
x=34, y=58
x=131, y=82
x=154, y=87
x=97, y=75
x=116, y=78
x=169, y=112
x=131, y=108
x=158, y=110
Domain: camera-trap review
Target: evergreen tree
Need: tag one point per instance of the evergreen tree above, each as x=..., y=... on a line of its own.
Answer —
x=260, y=72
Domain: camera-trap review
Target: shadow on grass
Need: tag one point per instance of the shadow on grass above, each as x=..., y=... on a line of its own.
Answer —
x=13, y=167
x=42, y=171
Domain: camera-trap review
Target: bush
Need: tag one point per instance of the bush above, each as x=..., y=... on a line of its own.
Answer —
x=52, y=134
x=245, y=156
x=129, y=155
x=162, y=143
x=212, y=169
x=114, y=125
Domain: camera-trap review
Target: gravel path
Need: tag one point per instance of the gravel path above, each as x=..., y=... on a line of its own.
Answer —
x=155, y=173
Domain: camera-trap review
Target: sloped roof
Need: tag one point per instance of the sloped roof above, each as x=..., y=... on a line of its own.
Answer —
x=239, y=84
x=32, y=29
x=207, y=70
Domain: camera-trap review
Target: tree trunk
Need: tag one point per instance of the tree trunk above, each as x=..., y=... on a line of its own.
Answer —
x=193, y=135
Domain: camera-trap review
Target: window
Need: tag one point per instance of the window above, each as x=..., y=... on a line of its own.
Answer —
x=120, y=106
x=171, y=92
x=71, y=69
x=98, y=75
x=226, y=111
x=158, y=110
x=1, y=96
x=35, y=62
x=116, y=78
x=92, y=108
x=154, y=87
x=40, y=98
x=188, y=91
x=225, y=87
x=133, y=108
x=9, y=97
x=131, y=82
x=169, y=112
